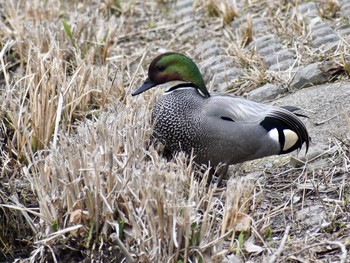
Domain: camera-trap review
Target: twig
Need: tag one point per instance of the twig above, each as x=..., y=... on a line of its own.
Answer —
x=58, y=234
x=3, y=68
x=343, y=250
x=326, y=120
x=279, y=250
x=123, y=249
x=342, y=247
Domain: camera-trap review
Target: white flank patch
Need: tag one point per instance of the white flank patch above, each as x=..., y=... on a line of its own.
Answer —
x=290, y=139
x=273, y=134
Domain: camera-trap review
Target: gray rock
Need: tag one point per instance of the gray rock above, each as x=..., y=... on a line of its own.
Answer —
x=256, y=21
x=321, y=40
x=345, y=9
x=267, y=40
x=323, y=36
x=278, y=57
x=344, y=29
x=308, y=8
x=185, y=13
x=229, y=74
x=322, y=31
x=183, y=3
x=308, y=76
x=203, y=47
x=214, y=51
x=266, y=92
x=312, y=215
x=186, y=27
x=224, y=79
x=260, y=25
x=284, y=65
x=270, y=49
x=318, y=24
x=211, y=65
x=222, y=66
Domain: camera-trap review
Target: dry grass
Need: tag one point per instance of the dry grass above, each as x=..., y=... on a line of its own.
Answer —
x=81, y=179
x=118, y=190
x=226, y=10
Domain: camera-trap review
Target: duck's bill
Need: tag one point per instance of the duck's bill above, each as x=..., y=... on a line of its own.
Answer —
x=145, y=86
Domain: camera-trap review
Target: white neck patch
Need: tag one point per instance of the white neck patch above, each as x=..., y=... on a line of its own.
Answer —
x=174, y=83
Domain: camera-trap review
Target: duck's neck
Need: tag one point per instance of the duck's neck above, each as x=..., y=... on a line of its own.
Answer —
x=182, y=85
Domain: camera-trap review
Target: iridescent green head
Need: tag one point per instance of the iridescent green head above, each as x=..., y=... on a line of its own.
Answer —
x=170, y=67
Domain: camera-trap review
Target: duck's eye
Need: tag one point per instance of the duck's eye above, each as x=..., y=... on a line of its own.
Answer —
x=160, y=67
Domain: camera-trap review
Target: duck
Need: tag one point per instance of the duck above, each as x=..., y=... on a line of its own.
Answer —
x=216, y=129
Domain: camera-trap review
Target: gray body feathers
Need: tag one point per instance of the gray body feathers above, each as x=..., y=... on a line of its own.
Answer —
x=223, y=128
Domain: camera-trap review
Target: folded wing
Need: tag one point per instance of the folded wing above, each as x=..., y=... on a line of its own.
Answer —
x=280, y=124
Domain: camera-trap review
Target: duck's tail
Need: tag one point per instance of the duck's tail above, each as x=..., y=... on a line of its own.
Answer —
x=286, y=128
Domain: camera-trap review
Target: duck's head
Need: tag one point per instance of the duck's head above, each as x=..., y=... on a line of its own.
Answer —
x=173, y=67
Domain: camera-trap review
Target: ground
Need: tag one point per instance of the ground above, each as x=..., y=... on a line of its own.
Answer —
x=81, y=178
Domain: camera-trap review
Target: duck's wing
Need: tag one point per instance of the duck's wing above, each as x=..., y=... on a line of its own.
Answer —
x=236, y=109
x=279, y=123
x=294, y=110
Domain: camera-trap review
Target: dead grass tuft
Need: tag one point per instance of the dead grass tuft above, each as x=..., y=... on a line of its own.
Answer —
x=59, y=83
x=227, y=10
x=117, y=188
